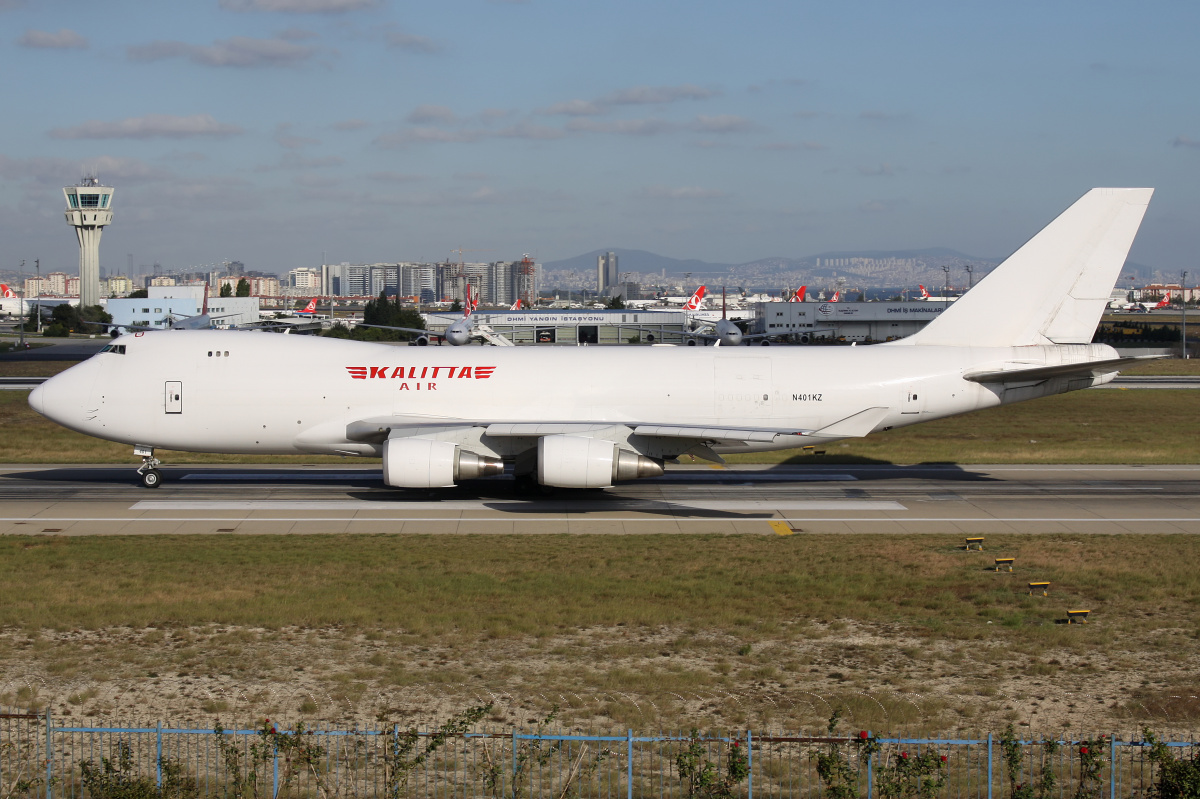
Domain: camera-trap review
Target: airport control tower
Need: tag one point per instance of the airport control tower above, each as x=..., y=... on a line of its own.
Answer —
x=89, y=209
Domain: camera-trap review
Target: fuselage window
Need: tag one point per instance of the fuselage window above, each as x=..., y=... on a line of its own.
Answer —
x=226, y=353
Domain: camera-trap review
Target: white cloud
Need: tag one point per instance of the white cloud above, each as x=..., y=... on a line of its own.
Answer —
x=788, y=146
x=299, y=6
x=723, y=123
x=881, y=171
x=62, y=171
x=240, y=51
x=432, y=115
x=285, y=139
x=151, y=126
x=576, y=108
x=681, y=193
x=411, y=43
x=624, y=127
x=351, y=124
x=657, y=95
x=65, y=39
x=396, y=177
x=525, y=130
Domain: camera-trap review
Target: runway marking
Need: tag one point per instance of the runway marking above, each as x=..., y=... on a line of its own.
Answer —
x=623, y=519
x=781, y=528
x=517, y=505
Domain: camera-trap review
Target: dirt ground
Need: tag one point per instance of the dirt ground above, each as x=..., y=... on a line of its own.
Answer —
x=889, y=680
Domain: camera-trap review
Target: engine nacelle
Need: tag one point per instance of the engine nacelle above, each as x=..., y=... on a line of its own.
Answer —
x=425, y=463
x=582, y=462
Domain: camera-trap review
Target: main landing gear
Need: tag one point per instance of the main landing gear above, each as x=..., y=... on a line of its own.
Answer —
x=148, y=472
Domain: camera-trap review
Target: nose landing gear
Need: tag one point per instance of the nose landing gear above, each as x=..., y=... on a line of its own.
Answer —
x=148, y=472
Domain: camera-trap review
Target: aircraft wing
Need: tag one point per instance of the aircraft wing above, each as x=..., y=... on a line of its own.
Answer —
x=123, y=327
x=1035, y=373
x=855, y=425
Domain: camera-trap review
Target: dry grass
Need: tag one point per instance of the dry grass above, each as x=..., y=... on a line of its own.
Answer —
x=640, y=630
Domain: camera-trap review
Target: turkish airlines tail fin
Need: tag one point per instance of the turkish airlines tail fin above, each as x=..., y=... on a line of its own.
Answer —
x=516, y=306
x=924, y=293
x=800, y=294
x=205, y=309
x=1064, y=276
x=694, y=302
x=837, y=296
x=472, y=301
x=6, y=292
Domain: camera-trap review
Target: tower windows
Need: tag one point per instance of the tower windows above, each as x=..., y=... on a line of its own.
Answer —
x=89, y=200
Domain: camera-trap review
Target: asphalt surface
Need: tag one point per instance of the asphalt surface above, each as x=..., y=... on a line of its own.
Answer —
x=94, y=500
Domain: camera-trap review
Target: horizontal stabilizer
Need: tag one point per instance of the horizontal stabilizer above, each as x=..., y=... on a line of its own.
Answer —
x=1085, y=369
x=856, y=426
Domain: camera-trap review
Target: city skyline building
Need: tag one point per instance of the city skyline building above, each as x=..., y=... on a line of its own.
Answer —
x=606, y=271
x=89, y=211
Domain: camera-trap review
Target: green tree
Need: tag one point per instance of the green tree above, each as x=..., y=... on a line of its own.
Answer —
x=226, y=290
x=243, y=288
x=1178, y=778
x=616, y=303
x=139, y=294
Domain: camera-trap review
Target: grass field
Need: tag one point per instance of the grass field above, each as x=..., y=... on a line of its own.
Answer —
x=736, y=629
x=1098, y=426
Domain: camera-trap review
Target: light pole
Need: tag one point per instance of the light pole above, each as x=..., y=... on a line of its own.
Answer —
x=970, y=277
x=22, y=305
x=946, y=269
x=37, y=265
x=1183, y=304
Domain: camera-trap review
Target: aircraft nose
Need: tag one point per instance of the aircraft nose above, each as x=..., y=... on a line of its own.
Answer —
x=36, y=399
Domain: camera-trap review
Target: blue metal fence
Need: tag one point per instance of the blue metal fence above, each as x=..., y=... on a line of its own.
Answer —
x=41, y=759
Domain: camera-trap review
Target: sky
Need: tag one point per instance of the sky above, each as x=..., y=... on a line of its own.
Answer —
x=284, y=132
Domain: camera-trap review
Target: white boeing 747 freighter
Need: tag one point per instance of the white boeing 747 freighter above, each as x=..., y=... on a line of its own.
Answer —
x=587, y=417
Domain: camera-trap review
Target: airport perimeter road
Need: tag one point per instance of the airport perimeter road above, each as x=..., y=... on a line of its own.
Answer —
x=97, y=500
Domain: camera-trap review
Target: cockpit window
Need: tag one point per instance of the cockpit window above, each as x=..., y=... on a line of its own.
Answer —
x=119, y=349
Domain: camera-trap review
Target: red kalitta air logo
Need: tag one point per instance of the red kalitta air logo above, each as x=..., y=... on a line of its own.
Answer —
x=427, y=373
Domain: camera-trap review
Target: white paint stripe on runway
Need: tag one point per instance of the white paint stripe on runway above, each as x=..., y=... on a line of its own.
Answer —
x=517, y=505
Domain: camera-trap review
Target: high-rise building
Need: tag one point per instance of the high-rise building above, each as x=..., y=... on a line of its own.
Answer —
x=89, y=211
x=606, y=271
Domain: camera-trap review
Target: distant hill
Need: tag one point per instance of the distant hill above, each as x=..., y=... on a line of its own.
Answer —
x=638, y=261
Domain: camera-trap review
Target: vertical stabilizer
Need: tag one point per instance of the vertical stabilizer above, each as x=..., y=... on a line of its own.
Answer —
x=1055, y=288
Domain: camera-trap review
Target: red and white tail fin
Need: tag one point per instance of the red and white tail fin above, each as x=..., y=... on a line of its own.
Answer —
x=311, y=307
x=837, y=296
x=924, y=293
x=516, y=306
x=204, y=310
x=696, y=300
x=1165, y=302
x=6, y=292
x=472, y=301
x=799, y=295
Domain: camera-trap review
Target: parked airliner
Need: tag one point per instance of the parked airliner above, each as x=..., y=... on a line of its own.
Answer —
x=587, y=417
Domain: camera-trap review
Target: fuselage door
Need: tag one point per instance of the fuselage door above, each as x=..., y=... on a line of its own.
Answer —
x=173, y=396
x=914, y=399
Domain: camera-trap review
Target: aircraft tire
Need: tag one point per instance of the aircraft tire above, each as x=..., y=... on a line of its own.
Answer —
x=151, y=478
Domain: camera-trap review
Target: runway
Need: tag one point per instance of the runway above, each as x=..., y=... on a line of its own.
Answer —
x=745, y=500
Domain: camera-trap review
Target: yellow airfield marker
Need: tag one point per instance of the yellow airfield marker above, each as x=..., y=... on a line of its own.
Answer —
x=782, y=528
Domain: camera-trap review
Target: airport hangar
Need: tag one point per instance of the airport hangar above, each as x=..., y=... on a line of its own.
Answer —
x=793, y=322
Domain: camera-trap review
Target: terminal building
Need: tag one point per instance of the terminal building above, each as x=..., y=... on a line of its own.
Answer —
x=808, y=322
x=165, y=302
x=786, y=322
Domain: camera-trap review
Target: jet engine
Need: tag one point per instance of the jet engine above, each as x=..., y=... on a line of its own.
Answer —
x=582, y=462
x=425, y=463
